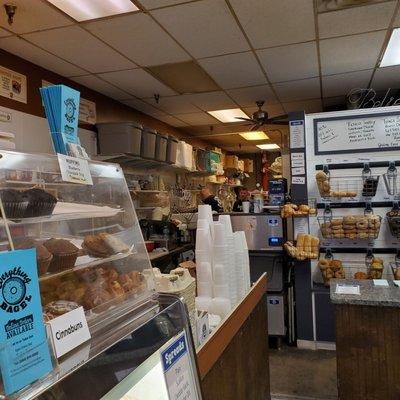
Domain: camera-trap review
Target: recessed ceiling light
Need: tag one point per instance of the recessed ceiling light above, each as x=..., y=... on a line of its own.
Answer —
x=84, y=10
x=256, y=135
x=392, y=52
x=268, y=146
x=228, y=115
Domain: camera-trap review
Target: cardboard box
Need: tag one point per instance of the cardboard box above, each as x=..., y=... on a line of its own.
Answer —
x=248, y=165
x=231, y=162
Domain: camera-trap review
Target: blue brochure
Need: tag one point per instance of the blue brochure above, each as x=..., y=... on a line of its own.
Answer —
x=24, y=350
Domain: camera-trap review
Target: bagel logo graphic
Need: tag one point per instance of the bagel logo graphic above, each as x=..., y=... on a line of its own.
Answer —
x=13, y=287
x=70, y=110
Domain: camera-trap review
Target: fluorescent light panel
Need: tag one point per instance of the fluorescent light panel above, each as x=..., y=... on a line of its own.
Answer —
x=84, y=10
x=256, y=135
x=392, y=52
x=228, y=115
x=268, y=146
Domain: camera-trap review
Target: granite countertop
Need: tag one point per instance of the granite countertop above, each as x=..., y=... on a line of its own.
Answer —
x=370, y=295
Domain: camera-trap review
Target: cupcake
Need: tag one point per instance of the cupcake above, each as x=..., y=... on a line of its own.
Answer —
x=40, y=202
x=15, y=203
x=43, y=256
x=64, y=254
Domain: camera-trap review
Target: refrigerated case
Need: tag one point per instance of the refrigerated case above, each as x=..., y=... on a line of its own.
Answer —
x=90, y=253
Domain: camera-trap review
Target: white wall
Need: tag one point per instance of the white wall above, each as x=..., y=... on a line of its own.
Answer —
x=32, y=133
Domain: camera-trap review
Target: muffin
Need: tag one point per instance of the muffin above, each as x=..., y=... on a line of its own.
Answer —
x=43, y=256
x=40, y=203
x=64, y=254
x=15, y=203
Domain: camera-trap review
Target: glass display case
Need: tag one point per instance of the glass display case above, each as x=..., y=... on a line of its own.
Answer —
x=89, y=245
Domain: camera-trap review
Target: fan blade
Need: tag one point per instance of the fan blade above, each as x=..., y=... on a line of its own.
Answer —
x=245, y=119
x=279, y=117
x=255, y=127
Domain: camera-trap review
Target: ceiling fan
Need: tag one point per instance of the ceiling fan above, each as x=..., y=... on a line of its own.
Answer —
x=260, y=118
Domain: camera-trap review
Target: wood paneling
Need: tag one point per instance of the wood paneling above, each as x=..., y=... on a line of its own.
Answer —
x=368, y=352
x=107, y=109
x=234, y=364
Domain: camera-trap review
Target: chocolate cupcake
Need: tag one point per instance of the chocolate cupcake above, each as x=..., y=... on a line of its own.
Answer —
x=64, y=254
x=40, y=203
x=15, y=203
x=43, y=256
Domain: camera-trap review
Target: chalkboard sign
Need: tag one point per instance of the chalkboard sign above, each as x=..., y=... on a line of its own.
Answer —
x=357, y=133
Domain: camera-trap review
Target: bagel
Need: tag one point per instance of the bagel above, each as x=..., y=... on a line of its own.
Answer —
x=323, y=263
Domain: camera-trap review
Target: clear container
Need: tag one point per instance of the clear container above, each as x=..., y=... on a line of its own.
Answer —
x=120, y=137
x=161, y=147
x=148, y=146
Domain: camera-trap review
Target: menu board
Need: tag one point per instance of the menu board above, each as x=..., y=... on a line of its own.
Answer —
x=357, y=134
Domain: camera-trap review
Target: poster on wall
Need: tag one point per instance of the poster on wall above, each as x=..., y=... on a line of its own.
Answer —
x=13, y=85
x=87, y=108
x=357, y=133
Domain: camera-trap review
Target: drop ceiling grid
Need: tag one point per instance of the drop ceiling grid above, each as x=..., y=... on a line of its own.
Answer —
x=177, y=3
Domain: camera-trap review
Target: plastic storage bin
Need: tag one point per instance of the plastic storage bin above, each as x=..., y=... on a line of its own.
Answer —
x=161, y=147
x=120, y=137
x=148, y=148
x=172, y=148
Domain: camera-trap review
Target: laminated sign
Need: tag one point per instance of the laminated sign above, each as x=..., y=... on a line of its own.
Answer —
x=178, y=370
x=24, y=350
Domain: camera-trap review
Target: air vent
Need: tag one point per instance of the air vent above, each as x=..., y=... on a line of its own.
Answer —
x=185, y=77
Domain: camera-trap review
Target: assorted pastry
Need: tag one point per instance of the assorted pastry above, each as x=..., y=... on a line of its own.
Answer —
x=331, y=269
x=103, y=245
x=375, y=270
x=293, y=210
x=307, y=247
x=28, y=203
x=393, y=217
x=95, y=289
x=351, y=227
x=325, y=190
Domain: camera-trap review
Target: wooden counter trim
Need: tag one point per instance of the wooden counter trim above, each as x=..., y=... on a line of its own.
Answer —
x=212, y=349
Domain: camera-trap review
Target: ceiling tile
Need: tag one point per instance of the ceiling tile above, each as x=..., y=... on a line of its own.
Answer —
x=197, y=119
x=276, y=22
x=273, y=110
x=95, y=83
x=335, y=102
x=396, y=21
x=247, y=97
x=30, y=52
x=234, y=70
x=4, y=33
x=386, y=78
x=140, y=105
x=309, y=106
x=34, y=15
x=170, y=120
x=288, y=63
x=138, y=82
x=205, y=28
x=155, y=46
x=355, y=20
x=298, y=90
x=174, y=104
x=211, y=101
x=79, y=47
x=335, y=85
x=152, y=4
x=350, y=53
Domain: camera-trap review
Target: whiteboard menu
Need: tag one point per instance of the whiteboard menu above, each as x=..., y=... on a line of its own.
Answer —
x=357, y=134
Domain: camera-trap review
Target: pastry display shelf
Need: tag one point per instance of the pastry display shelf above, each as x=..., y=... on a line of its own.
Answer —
x=65, y=211
x=86, y=261
x=145, y=191
x=351, y=267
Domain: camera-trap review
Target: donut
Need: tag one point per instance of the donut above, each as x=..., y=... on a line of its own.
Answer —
x=338, y=235
x=336, y=264
x=336, y=228
x=349, y=227
x=323, y=263
x=350, y=235
x=336, y=222
x=340, y=274
x=349, y=220
x=362, y=224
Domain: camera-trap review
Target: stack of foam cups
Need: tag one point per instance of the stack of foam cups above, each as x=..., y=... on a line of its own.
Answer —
x=231, y=270
x=245, y=248
x=240, y=265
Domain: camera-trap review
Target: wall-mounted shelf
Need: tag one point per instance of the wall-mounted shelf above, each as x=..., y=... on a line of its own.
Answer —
x=372, y=164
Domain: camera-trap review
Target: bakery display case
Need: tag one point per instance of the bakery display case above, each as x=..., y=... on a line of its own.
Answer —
x=89, y=246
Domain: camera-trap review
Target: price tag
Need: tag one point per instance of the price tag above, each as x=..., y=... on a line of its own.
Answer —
x=298, y=180
x=69, y=331
x=396, y=283
x=347, y=289
x=178, y=371
x=381, y=282
x=75, y=170
x=296, y=129
x=298, y=171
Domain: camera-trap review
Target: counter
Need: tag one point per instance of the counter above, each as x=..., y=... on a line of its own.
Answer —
x=368, y=341
x=233, y=362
